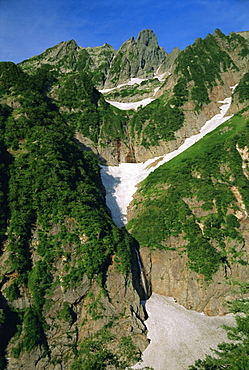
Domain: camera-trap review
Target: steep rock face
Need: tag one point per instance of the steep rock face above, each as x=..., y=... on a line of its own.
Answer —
x=136, y=58
x=167, y=66
x=190, y=217
x=75, y=313
x=120, y=151
x=101, y=58
x=167, y=269
x=233, y=54
x=53, y=55
x=167, y=273
x=89, y=311
x=99, y=53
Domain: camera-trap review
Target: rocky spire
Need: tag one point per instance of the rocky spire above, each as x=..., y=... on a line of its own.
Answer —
x=136, y=58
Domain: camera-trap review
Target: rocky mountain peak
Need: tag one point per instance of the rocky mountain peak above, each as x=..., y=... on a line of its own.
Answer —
x=70, y=279
x=244, y=34
x=147, y=37
x=52, y=55
x=63, y=48
x=136, y=58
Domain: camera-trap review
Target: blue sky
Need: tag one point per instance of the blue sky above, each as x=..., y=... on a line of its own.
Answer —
x=28, y=27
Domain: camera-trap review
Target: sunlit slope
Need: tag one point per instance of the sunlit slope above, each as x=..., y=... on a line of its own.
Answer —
x=201, y=195
x=56, y=234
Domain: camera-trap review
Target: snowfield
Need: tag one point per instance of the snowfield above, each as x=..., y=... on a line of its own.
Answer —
x=179, y=337
x=121, y=181
x=132, y=81
x=134, y=105
x=137, y=104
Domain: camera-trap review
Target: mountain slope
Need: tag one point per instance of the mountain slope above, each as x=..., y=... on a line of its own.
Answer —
x=194, y=210
x=185, y=87
x=60, y=250
x=70, y=279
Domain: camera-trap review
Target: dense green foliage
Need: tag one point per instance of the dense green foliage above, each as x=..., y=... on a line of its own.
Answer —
x=243, y=88
x=94, y=353
x=156, y=121
x=239, y=43
x=85, y=109
x=202, y=63
x=50, y=179
x=145, y=87
x=204, y=175
x=4, y=113
x=48, y=183
x=78, y=94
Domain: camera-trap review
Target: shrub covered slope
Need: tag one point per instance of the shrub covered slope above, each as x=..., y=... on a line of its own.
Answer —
x=66, y=270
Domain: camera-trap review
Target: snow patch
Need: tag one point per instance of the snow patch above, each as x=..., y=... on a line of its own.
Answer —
x=156, y=90
x=133, y=105
x=132, y=81
x=121, y=181
x=179, y=337
x=160, y=77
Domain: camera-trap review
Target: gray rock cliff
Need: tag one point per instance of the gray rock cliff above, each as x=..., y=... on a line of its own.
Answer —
x=136, y=58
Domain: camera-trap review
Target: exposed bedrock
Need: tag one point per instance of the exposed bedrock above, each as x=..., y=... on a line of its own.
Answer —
x=167, y=273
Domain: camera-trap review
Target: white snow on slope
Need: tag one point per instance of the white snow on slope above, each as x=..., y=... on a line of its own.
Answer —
x=133, y=105
x=132, y=81
x=179, y=337
x=121, y=181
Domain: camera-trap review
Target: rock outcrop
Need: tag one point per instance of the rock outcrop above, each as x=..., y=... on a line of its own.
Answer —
x=167, y=274
x=76, y=313
x=84, y=293
x=136, y=58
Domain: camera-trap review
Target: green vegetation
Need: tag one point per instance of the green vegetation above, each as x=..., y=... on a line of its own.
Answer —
x=233, y=355
x=238, y=42
x=145, y=87
x=95, y=352
x=156, y=121
x=116, y=67
x=54, y=226
x=201, y=177
x=50, y=179
x=47, y=183
x=203, y=63
x=122, y=93
x=243, y=88
x=86, y=110
x=198, y=69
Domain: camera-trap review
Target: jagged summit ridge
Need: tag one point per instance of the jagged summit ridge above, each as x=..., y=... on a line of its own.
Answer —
x=136, y=58
x=71, y=271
